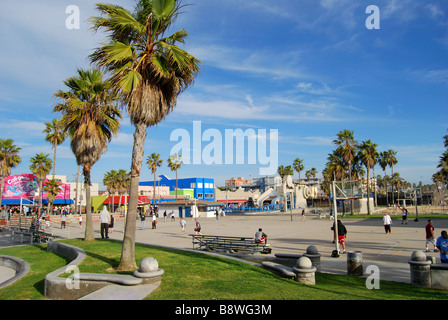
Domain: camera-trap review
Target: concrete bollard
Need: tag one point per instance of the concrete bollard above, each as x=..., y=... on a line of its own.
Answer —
x=313, y=254
x=305, y=272
x=420, y=270
x=149, y=271
x=355, y=263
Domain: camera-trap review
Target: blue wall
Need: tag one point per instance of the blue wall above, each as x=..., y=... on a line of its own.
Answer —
x=204, y=188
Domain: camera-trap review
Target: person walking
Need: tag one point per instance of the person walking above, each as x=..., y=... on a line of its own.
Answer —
x=183, y=226
x=387, y=221
x=429, y=230
x=442, y=245
x=303, y=215
x=104, y=220
x=197, y=228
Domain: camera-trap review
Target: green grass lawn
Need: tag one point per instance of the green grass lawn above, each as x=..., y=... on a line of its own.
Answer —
x=195, y=276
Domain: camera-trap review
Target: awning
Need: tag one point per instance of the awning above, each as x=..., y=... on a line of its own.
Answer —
x=233, y=201
x=30, y=202
x=124, y=200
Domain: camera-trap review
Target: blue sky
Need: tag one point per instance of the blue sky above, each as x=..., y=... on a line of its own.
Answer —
x=306, y=68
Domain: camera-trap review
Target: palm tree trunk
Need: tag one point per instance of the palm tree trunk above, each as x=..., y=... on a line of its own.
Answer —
x=89, y=234
x=176, y=184
x=54, y=158
x=392, y=184
x=368, y=191
x=2, y=187
x=39, y=212
x=154, y=193
x=127, y=261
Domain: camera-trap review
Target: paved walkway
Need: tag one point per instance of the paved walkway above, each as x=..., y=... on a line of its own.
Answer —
x=291, y=235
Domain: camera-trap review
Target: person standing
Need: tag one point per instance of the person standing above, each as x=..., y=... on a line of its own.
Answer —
x=183, y=226
x=429, y=230
x=104, y=220
x=63, y=220
x=154, y=220
x=303, y=215
x=387, y=221
x=442, y=245
x=142, y=220
x=404, y=215
x=342, y=235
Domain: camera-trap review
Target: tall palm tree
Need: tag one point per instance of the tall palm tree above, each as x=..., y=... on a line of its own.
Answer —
x=153, y=161
x=55, y=135
x=149, y=71
x=40, y=167
x=347, y=148
x=383, y=161
x=51, y=188
x=174, y=163
x=369, y=157
x=391, y=161
x=9, y=158
x=336, y=166
x=123, y=181
x=110, y=182
x=91, y=118
x=298, y=166
x=283, y=172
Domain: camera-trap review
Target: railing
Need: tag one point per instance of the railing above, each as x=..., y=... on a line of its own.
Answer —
x=266, y=208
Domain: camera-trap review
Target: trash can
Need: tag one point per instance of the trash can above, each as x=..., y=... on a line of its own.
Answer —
x=355, y=263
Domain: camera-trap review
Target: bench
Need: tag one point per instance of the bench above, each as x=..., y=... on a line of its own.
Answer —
x=281, y=270
x=28, y=235
x=228, y=244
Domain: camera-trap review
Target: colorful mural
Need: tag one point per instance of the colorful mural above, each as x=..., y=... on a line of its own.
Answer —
x=26, y=186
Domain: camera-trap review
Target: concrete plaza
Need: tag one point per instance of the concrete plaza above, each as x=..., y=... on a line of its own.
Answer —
x=288, y=234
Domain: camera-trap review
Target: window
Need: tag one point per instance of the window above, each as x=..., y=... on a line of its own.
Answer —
x=199, y=184
x=200, y=195
x=193, y=185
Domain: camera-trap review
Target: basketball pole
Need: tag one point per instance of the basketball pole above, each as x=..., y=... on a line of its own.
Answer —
x=335, y=214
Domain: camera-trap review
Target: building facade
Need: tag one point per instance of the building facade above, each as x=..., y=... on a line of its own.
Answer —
x=202, y=188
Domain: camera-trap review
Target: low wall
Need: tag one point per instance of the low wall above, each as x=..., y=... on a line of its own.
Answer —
x=20, y=266
x=78, y=285
x=426, y=273
x=58, y=288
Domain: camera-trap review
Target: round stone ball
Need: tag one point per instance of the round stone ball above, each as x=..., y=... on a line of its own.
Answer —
x=304, y=263
x=312, y=250
x=418, y=256
x=148, y=264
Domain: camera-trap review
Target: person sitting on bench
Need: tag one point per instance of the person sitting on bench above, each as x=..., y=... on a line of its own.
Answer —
x=261, y=237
